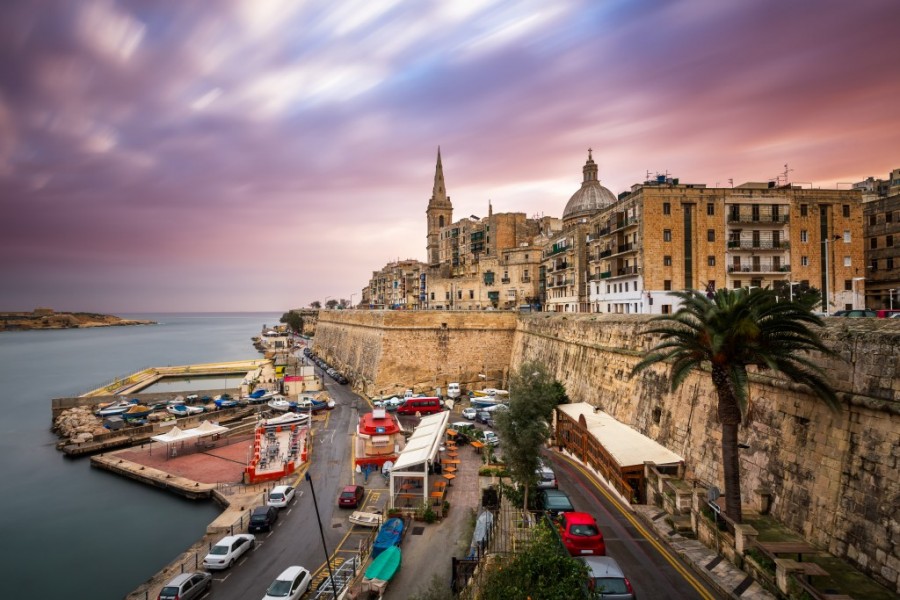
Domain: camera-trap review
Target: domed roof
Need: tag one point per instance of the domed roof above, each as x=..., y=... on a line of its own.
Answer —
x=591, y=197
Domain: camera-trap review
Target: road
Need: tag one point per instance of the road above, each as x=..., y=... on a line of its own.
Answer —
x=295, y=539
x=653, y=570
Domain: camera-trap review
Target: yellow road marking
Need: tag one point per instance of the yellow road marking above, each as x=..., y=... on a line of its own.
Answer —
x=676, y=564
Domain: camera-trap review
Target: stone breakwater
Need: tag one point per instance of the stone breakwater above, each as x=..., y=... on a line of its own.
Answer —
x=833, y=477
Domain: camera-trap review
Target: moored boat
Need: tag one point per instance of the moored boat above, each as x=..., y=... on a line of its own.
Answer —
x=225, y=402
x=307, y=403
x=485, y=401
x=383, y=569
x=116, y=408
x=137, y=411
x=366, y=519
x=288, y=418
x=183, y=410
x=280, y=404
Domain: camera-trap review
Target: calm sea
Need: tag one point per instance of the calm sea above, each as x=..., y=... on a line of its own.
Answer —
x=75, y=532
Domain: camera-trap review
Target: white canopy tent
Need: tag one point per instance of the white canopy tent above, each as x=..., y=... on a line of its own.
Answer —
x=420, y=450
x=180, y=435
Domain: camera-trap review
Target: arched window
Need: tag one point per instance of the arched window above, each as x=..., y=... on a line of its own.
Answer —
x=441, y=221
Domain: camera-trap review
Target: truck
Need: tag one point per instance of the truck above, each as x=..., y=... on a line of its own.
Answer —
x=453, y=390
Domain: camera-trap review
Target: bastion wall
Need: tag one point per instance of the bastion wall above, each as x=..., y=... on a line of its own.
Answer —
x=833, y=477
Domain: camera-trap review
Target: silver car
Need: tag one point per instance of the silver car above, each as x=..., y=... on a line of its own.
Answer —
x=607, y=580
x=546, y=478
x=186, y=586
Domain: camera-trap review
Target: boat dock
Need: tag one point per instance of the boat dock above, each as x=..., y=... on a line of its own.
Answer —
x=147, y=377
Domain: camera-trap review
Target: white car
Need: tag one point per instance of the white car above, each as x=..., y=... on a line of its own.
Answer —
x=491, y=439
x=227, y=550
x=291, y=584
x=469, y=413
x=280, y=496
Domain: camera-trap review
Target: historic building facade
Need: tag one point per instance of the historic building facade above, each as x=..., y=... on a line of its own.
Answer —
x=666, y=236
x=397, y=285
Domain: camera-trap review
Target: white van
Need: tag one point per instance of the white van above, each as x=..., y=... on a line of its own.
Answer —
x=453, y=390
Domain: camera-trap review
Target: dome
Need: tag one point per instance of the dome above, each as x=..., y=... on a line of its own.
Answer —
x=591, y=197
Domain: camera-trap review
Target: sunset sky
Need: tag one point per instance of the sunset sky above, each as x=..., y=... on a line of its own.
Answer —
x=258, y=155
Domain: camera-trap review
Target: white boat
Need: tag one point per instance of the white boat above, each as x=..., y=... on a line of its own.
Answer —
x=183, y=410
x=268, y=395
x=482, y=402
x=116, y=408
x=366, y=519
x=306, y=403
x=288, y=418
x=280, y=404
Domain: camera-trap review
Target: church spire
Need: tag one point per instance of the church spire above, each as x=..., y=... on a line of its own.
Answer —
x=439, y=193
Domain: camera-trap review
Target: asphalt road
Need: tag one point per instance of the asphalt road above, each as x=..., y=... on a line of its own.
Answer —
x=295, y=539
x=653, y=570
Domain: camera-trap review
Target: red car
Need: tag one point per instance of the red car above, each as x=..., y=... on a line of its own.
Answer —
x=580, y=534
x=352, y=496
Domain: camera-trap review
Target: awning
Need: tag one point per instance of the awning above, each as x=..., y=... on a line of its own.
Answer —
x=424, y=443
x=627, y=446
x=179, y=435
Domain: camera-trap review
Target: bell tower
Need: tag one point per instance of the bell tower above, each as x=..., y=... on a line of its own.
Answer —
x=439, y=213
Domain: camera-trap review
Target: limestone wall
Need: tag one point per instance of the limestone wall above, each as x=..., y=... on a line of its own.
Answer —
x=387, y=352
x=834, y=477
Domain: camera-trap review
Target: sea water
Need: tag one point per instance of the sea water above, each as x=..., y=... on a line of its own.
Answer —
x=70, y=531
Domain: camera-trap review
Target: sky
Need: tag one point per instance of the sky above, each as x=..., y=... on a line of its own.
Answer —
x=257, y=155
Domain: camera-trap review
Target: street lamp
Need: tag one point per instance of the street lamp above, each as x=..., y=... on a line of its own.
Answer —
x=351, y=299
x=791, y=285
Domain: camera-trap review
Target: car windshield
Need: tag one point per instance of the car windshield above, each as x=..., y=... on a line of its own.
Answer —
x=348, y=495
x=258, y=518
x=171, y=591
x=218, y=550
x=279, y=587
x=583, y=530
x=276, y=496
x=610, y=585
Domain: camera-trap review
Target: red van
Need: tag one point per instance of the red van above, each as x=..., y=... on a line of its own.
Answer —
x=886, y=313
x=420, y=405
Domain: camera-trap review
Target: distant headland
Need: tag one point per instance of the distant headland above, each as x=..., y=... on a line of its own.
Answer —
x=47, y=318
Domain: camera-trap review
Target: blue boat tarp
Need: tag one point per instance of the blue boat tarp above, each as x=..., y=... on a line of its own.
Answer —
x=389, y=535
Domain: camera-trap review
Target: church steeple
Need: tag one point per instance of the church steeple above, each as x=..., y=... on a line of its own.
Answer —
x=590, y=168
x=439, y=212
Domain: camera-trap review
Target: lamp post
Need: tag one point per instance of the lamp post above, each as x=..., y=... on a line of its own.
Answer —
x=322, y=533
x=891, y=298
x=351, y=299
x=791, y=285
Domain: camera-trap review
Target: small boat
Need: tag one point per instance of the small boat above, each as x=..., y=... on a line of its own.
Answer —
x=116, y=408
x=222, y=397
x=182, y=410
x=383, y=569
x=485, y=401
x=483, y=526
x=490, y=392
x=288, y=418
x=390, y=404
x=307, y=403
x=137, y=411
x=366, y=519
x=389, y=535
x=225, y=403
x=267, y=395
x=280, y=404
x=176, y=401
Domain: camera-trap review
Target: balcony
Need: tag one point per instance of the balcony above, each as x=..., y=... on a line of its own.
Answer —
x=561, y=265
x=624, y=248
x=623, y=223
x=762, y=218
x=761, y=267
x=555, y=250
x=605, y=253
x=606, y=275
x=758, y=245
x=526, y=280
x=504, y=280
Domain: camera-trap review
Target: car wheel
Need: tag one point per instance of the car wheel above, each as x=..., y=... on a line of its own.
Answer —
x=230, y=563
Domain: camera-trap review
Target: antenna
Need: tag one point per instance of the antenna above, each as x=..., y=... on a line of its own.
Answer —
x=786, y=171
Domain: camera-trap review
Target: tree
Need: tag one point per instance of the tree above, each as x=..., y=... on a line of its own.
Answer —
x=543, y=569
x=315, y=304
x=293, y=320
x=727, y=334
x=344, y=303
x=802, y=292
x=524, y=428
x=331, y=304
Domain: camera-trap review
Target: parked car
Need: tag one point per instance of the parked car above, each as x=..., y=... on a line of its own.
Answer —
x=280, y=496
x=491, y=439
x=858, y=313
x=485, y=417
x=263, y=518
x=469, y=413
x=546, y=478
x=227, y=550
x=895, y=316
x=607, y=580
x=291, y=584
x=581, y=534
x=887, y=313
x=553, y=502
x=186, y=586
x=351, y=496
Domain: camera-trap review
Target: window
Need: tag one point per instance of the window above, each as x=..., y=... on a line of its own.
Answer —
x=873, y=243
x=471, y=294
x=847, y=262
x=667, y=284
x=448, y=295
x=737, y=283
x=874, y=265
x=804, y=261
x=667, y=261
x=888, y=217
x=710, y=261
x=525, y=275
x=459, y=294
x=872, y=219
x=804, y=210
x=845, y=209
x=710, y=209
x=667, y=309
x=848, y=285
x=846, y=236
x=432, y=295
x=667, y=208
x=667, y=235
x=889, y=241
x=890, y=264
x=756, y=283
x=804, y=236
x=710, y=235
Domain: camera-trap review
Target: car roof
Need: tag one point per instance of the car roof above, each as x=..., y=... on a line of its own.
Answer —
x=230, y=538
x=603, y=566
x=179, y=579
x=579, y=517
x=280, y=488
x=262, y=509
x=351, y=488
x=291, y=573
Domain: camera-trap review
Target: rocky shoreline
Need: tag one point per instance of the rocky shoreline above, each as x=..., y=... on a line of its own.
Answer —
x=49, y=319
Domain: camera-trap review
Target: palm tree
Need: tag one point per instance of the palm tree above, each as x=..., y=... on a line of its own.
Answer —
x=726, y=333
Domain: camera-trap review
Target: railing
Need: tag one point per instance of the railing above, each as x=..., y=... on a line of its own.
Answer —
x=504, y=280
x=561, y=265
x=760, y=218
x=625, y=247
x=765, y=267
x=606, y=275
x=605, y=253
x=758, y=245
x=627, y=271
x=526, y=279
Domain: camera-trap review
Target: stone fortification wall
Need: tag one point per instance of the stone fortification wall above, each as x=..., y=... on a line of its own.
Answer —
x=387, y=352
x=834, y=477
